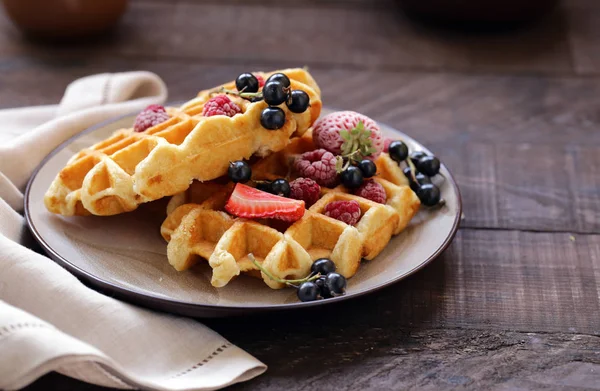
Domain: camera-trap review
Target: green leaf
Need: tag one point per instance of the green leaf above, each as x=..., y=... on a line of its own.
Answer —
x=345, y=135
x=339, y=164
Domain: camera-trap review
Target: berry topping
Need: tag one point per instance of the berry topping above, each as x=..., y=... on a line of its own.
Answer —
x=220, y=105
x=261, y=81
x=415, y=156
x=280, y=77
x=247, y=82
x=274, y=93
x=323, y=287
x=298, y=101
x=149, y=117
x=239, y=172
x=309, y=291
x=348, y=132
x=421, y=179
x=429, y=194
x=305, y=189
x=272, y=118
x=323, y=266
x=351, y=177
x=367, y=167
x=335, y=284
x=318, y=165
x=346, y=211
x=428, y=165
x=398, y=151
x=250, y=203
x=280, y=187
x=373, y=191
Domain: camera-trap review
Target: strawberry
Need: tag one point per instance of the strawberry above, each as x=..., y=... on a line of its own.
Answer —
x=248, y=202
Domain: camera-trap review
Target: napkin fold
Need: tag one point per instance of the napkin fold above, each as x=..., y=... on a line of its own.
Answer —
x=50, y=321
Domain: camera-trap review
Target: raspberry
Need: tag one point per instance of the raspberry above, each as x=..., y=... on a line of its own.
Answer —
x=318, y=165
x=261, y=81
x=220, y=105
x=305, y=189
x=149, y=117
x=346, y=211
x=372, y=190
x=326, y=131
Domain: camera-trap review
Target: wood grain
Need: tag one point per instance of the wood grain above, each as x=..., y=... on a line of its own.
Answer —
x=415, y=360
x=363, y=35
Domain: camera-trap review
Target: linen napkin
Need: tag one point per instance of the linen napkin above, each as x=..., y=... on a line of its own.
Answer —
x=49, y=321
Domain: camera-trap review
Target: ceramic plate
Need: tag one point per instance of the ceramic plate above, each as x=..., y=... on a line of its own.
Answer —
x=125, y=256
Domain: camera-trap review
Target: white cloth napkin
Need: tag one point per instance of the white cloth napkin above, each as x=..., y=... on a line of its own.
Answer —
x=49, y=321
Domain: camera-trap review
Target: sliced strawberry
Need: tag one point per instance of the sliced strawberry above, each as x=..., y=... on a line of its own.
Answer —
x=248, y=202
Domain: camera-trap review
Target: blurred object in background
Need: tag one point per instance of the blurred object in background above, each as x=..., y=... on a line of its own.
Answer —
x=64, y=19
x=490, y=13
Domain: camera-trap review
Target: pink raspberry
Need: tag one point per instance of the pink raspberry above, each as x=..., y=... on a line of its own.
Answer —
x=318, y=165
x=149, y=117
x=386, y=144
x=220, y=105
x=326, y=131
x=372, y=190
x=305, y=189
x=346, y=211
x=261, y=81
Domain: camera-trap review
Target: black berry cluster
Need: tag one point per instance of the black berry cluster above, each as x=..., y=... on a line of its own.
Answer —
x=276, y=91
x=419, y=178
x=328, y=284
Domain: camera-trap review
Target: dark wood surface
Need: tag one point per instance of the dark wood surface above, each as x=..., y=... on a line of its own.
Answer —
x=514, y=303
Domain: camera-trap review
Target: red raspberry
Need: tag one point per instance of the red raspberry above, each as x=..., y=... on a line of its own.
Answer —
x=346, y=211
x=372, y=190
x=149, y=117
x=305, y=189
x=318, y=165
x=220, y=105
x=261, y=81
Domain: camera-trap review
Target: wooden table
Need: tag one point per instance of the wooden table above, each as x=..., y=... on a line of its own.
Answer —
x=514, y=302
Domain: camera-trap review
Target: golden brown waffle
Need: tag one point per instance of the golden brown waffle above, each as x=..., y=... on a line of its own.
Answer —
x=118, y=174
x=197, y=227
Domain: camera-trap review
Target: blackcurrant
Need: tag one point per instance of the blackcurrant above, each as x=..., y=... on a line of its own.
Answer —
x=264, y=186
x=421, y=180
x=323, y=287
x=407, y=172
x=280, y=187
x=274, y=94
x=309, y=291
x=324, y=266
x=298, y=101
x=336, y=284
x=398, y=151
x=415, y=156
x=239, y=171
x=429, y=194
x=272, y=118
x=247, y=82
x=280, y=77
x=367, y=167
x=428, y=165
x=352, y=177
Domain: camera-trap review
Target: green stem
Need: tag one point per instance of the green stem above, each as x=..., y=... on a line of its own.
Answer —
x=281, y=280
x=238, y=93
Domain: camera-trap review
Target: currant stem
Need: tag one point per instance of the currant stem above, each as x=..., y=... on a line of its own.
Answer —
x=413, y=169
x=239, y=93
x=281, y=280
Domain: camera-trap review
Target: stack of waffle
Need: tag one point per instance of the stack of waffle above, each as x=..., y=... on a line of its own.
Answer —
x=187, y=158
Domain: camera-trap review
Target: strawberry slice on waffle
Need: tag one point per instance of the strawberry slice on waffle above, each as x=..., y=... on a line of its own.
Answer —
x=248, y=202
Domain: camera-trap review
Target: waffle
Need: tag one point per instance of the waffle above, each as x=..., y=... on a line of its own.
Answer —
x=118, y=174
x=198, y=228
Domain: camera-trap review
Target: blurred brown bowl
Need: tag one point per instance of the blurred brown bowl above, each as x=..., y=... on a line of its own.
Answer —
x=478, y=11
x=64, y=19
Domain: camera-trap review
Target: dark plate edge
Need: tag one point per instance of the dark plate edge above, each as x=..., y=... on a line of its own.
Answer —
x=207, y=310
